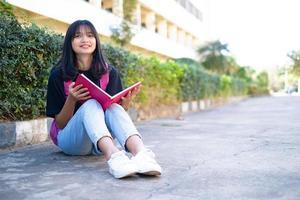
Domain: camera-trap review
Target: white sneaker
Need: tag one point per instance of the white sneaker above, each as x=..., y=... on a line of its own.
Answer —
x=146, y=164
x=120, y=165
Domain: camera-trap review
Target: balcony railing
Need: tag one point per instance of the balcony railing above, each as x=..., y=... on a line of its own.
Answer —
x=186, y=4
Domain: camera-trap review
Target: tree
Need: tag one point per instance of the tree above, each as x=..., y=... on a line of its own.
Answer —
x=213, y=56
x=231, y=67
x=214, y=48
x=6, y=7
x=123, y=34
x=295, y=57
x=262, y=80
x=246, y=73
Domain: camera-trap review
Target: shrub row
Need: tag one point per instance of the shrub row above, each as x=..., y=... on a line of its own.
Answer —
x=28, y=52
x=198, y=83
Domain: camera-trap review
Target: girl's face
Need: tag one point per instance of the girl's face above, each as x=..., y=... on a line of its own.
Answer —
x=84, y=41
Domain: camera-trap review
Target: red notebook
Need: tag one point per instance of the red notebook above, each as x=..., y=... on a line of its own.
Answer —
x=100, y=95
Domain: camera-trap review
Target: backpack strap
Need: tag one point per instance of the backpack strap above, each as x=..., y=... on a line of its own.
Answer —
x=104, y=81
x=66, y=87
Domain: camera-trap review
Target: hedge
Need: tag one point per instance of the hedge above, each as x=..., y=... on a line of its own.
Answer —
x=28, y=53
x=198, y=83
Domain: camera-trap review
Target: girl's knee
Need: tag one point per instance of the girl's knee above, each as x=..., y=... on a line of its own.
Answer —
x=115, y=106
x=114, y=109
x=92, y=104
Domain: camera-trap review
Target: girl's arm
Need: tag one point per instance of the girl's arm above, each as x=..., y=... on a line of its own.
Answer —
x=75, y=94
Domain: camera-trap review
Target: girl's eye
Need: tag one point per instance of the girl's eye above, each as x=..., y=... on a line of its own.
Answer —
x=90, y=35
x=77, y=35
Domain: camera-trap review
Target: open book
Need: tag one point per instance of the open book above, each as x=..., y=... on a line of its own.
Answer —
x=100, y=95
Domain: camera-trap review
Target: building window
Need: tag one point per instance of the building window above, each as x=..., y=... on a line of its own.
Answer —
x=109, y=9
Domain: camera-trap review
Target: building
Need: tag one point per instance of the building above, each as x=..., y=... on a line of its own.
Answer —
x=168, y=29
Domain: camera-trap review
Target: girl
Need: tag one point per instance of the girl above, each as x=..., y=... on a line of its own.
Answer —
x=84, y=129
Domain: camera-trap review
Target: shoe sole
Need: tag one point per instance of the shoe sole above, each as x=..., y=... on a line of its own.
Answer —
x=122, y=175
x=150, y=173
x=125, y=176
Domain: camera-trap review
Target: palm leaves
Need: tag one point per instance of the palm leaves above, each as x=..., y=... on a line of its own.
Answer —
x=215, y=48
x=214, y=58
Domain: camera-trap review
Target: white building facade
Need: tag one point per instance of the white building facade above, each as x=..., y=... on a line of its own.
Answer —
x=166, y=28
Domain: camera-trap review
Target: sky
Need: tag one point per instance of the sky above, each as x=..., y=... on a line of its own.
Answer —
x=259, y=33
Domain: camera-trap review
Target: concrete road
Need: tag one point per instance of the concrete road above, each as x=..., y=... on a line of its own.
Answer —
x=246, y=150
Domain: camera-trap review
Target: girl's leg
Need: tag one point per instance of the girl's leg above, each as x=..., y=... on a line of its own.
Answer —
x=87, y=133
x=107, y=147
x=134, y=144
x=123, y=129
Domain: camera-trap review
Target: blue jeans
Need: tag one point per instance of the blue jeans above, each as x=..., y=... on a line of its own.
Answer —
x=90, y=123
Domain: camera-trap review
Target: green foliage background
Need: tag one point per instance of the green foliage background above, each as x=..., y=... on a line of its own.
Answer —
x=28, y=53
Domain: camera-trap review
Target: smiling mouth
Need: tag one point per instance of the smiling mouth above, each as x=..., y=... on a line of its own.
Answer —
x=85, y=46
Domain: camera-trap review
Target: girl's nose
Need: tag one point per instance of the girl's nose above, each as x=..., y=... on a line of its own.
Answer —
x=84, y=38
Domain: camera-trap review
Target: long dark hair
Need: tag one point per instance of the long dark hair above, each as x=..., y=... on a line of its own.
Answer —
x=67, y=61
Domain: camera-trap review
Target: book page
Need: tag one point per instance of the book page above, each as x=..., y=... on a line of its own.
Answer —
x=117, y=97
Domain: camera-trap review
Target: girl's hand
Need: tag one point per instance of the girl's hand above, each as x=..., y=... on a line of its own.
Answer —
x=78, y=93
x=127, y=100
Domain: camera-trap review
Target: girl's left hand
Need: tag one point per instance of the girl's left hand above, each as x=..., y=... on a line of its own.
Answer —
x=126, y=100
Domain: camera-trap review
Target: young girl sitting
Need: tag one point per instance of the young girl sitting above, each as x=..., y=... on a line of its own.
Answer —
x=84, y=129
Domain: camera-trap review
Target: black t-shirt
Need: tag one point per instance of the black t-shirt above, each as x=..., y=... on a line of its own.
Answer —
x=56, y=96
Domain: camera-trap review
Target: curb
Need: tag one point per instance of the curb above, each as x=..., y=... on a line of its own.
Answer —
x=20, y=133
x=205, y=104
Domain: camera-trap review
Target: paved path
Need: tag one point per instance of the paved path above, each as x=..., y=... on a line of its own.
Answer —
x=247, y=150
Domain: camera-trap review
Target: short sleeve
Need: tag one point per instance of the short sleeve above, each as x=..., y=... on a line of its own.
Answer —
x=55, y=94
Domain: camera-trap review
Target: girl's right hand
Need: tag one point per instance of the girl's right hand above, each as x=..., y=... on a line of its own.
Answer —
x=78, y=92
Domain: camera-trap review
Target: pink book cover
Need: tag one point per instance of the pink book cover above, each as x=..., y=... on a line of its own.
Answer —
x=100, y=95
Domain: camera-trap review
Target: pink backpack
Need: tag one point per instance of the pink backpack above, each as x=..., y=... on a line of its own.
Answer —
x=54, y=128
